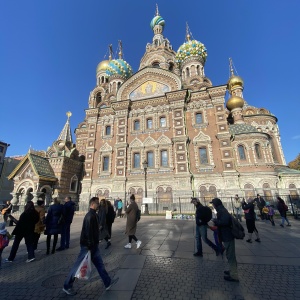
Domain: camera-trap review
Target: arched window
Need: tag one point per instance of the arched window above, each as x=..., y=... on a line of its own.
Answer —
x=171, y=67
x=136, y=125
x=136, y=160
x=105, y=166
x=241, y=151
x=155, y=64
x=199, y=119
x=149, y=123
x=187, y=72
x=198, y=70
x=164, y=158
x=74, y=184
x=162, y=122
x=150, y=159
x=203, y=156
x=108, y=130
x=257, y=151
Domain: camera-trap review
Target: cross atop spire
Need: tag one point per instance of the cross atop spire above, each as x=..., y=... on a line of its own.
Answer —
x=188, y=33
x=65, y=134
x=120, y=50
x=156, y=11
x=110, y=52
x=231, y=67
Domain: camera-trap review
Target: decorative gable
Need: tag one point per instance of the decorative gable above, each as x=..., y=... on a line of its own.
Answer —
x=136, y=143
x=106, y=148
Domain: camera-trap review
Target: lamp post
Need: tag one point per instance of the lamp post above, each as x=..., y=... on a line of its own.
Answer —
x=145, y=166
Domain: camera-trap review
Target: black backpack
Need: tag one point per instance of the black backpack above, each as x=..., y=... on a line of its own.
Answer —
x=237, y=229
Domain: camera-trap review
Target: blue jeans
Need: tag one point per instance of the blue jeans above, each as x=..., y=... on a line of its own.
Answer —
x=96, y=260
x=238, y=213
x=201, y=232
x=65, y=235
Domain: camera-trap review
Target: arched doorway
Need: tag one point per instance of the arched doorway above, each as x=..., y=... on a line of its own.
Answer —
x=138, y=193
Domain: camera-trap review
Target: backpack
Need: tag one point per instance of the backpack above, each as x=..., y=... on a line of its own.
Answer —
x=237, y=229
x=138, y=215
x=4, y=241
x=207, y=214
x=285, y=207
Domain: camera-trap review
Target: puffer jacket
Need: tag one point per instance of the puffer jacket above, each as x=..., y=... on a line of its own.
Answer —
x=90, y=230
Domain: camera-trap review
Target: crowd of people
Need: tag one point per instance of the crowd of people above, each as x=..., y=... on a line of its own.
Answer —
x=97, y=226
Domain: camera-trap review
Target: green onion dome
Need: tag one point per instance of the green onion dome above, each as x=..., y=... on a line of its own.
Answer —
x=157, y=20
x=189, y=49
x=120, y=67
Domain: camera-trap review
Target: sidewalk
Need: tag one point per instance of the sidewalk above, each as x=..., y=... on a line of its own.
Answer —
x=164, y=267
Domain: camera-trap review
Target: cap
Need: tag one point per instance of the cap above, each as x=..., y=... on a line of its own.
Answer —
x=216, y=202
x=194, y=199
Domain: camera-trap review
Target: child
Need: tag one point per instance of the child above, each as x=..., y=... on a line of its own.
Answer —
x=271, y=213
x=4, y=239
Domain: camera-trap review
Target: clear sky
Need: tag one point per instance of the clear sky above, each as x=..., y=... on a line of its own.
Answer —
x=49, y=51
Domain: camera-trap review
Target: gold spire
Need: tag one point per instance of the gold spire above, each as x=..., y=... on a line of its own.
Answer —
x=69, y=114
x=234, y=80
x=110, y=52
x=231, y=66
x=156, y=11
x=120, y=50
x=188, y=32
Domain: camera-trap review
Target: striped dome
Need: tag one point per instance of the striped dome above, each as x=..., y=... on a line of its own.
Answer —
x=120, y=67
x=157, y=20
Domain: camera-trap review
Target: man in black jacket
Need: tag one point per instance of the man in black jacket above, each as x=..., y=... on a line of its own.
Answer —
x=203, y=216
x=261, y=203
x=224, y=224
x=89, y=241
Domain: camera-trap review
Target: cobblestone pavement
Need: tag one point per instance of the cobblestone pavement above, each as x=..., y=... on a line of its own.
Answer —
x=270, y=270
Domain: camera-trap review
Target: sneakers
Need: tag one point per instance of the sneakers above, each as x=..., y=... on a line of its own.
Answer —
x=138, y=244
x=198, y=254
x=229, y=278
x=108, y=245
x=127, y=246
x=257, y=240
x=8, y=261
x=113, y=282
x=227, y=273
x=30, y=260
x=69, y=291
x=281, y=225
x=288, y=225
x=249, y=241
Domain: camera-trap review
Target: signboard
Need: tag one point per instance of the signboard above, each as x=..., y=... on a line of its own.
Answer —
x=147, y=200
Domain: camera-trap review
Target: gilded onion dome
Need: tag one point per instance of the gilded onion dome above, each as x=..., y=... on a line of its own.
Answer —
x=191, y=48
x=234, y=81
x=235, y=102
x=119, y=67
x=102, y=66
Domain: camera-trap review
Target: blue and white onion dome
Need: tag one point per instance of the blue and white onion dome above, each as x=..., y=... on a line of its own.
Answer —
x=157, y=20
x=119, y=67
x=191, y=48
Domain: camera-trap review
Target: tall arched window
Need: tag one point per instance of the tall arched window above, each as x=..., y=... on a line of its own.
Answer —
x=108, y=130
x=136, y=125
x=257, y=151
x=187, y=72
x=242, y=154
x=74, y=184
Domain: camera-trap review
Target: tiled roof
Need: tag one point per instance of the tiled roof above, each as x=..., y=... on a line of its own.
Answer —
x=235, y=129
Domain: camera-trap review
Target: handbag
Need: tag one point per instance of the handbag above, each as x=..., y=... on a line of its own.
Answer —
x=85, y=268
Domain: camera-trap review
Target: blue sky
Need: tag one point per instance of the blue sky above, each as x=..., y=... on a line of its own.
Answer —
x=50, y=49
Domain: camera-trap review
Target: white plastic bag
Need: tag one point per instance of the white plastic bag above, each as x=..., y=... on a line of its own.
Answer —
x=85, y=268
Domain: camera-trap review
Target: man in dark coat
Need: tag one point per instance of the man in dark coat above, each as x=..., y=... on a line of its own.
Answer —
x=89, y=241
x=224, y=224
x=261, y=203
x=68, y=214
x=203, y=216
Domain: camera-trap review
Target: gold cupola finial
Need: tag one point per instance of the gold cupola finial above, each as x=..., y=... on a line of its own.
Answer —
x=234, y=82
x=188, y=32
x=110, y=52
x=156, y=10
x=231, y=67
x=69, y=114
x=120, y=50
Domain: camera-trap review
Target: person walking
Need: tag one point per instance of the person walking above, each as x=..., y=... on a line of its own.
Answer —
x=202, y=216
x=271, y=213
x=4, y=235
x=102, y=215
x=39, y=226
x=250, y=220
x=261, y=203
x=68, y=214
x=282, y=208
x=89, y=241
x=6, y=210
x=110, y=218
x=120, y=207
x=25, y=229
x=224, y=222
x=131, y=223
x=53, y=224
x=237, y=204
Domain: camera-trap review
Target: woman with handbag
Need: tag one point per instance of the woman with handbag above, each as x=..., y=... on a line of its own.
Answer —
x=282, y=208
x=39, y=226
x=53, y=223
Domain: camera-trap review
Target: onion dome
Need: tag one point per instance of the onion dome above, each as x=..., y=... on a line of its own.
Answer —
x=191, y=48
x=102, y=66
x=235, y=102
x=157, y=20
x=235, y=81
x=119, y=67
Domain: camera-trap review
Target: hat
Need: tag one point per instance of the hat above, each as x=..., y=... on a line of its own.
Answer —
x=216, y=202
x=193, y=199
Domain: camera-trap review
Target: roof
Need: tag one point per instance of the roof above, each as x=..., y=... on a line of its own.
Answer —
x=242, y=128
x=40, y=165
x=286, y=170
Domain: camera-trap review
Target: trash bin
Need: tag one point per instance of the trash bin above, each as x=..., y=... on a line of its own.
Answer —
x=168, y=214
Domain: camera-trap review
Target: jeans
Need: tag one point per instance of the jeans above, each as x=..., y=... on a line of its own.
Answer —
x=238, y=213
x=29, y=241
x=230, y=255
x=201, y=232
x=96, y=260
x=65, y=235
x=284, y=218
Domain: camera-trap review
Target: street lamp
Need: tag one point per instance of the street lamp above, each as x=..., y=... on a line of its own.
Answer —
x=145, y=166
